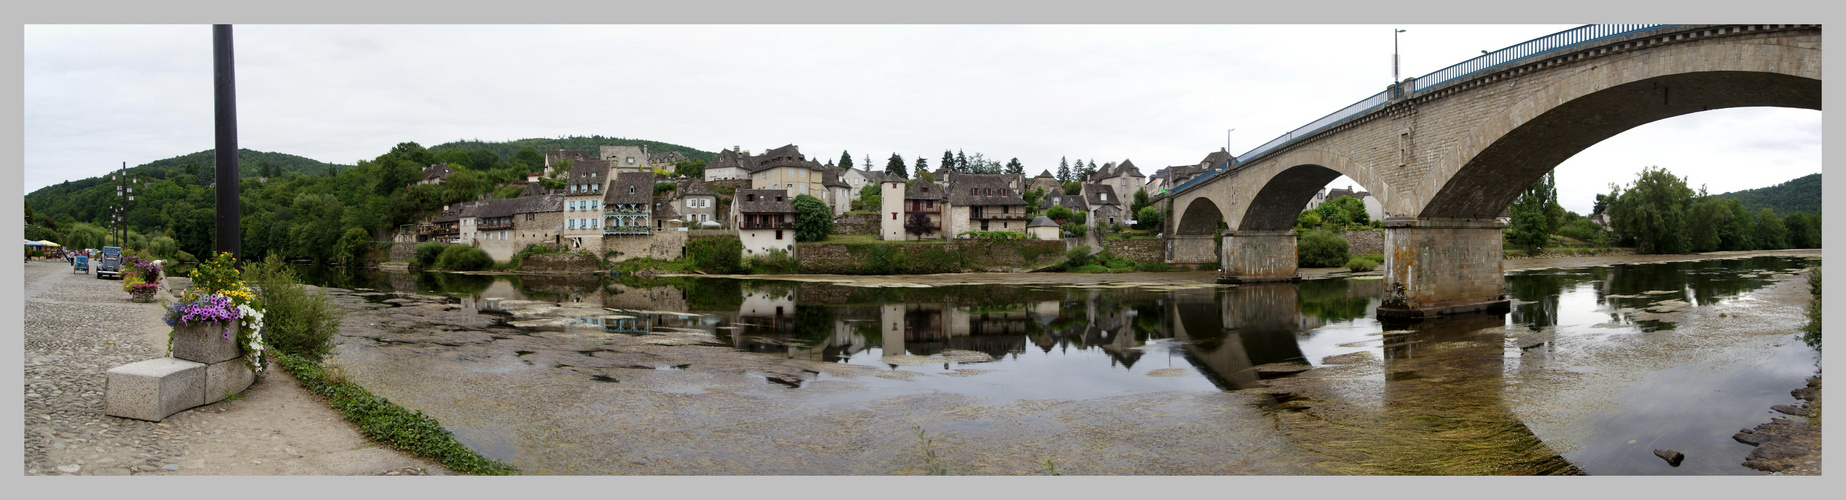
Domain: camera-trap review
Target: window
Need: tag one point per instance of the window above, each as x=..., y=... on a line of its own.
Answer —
x=973, y=191
x=570, y=224
x=893, y=215
x=631, y=160
x=778, y=236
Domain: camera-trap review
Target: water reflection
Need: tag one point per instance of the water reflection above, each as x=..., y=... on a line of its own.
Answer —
x=1441, y=405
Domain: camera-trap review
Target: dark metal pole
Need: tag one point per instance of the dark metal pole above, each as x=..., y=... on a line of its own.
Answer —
x=224, y=87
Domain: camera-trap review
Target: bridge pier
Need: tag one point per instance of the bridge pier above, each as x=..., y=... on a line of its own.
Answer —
x=1439, y=267
x=1192, y=249
x=1259, y=257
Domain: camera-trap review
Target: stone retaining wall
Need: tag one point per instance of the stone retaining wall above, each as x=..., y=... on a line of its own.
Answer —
x=559, y=263
x=866, y=223
x=663, y=245
x=923, y=258
x=1364, y=241
x=1147, y=250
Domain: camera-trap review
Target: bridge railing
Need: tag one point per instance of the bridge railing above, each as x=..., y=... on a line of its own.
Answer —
x=1536, y=47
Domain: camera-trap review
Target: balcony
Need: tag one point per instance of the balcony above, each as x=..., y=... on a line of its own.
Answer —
x=766, y=225
x=927, y=210
x=999, y=215
x=627, y=230
x=488, y=226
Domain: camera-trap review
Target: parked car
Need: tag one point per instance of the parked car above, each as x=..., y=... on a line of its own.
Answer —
x=110, y=264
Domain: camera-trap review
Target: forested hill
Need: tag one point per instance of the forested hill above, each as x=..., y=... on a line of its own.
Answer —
x=506, y=149
x=1801, y=195
x=69, y=196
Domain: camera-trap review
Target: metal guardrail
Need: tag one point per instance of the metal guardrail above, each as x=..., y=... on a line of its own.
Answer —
x=1540, y=46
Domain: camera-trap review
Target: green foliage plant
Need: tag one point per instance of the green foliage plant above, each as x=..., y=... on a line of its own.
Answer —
x=722, y=255
x=296, y=322
x=1811, y=331
x=425, y=254
x=1320, y=248
x=775, y=261
x=463, y=258
x=813, y=219
x=1361, y=264
x=1653, y=212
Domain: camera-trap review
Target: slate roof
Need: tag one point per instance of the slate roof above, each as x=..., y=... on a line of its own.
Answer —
x=695, y=187
x=539, y=204
x=1127, y=169
x=665, y=210
x=1347, y=191
x=923, y=190
x=989, y=186
x=730, y=158
x=581, y=170
x=1071, y=201
x=1107, y=171
x=496, y=208
x=630, y=187
x=1092, y=195
x=437, y=171
x=1216, y=158
x=765, y=201
x=666, y=158
x=451, y=215
x=831, y=178
x=534, y=189
x=552, y=156
x=1041, y=221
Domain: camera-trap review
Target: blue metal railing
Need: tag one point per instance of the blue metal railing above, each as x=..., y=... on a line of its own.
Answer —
x=1536, y=47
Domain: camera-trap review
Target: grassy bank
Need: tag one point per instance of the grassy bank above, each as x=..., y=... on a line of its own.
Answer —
x=386, y=422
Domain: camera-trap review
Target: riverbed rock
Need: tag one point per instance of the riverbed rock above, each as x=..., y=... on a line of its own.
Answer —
x=1348, y=358
x=1751, y=437
x=1672, y=457
x=1283, y=369
x=1791, y=410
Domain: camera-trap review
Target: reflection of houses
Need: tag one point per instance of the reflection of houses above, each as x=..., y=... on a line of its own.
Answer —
x=633, y=323
x=926, y=329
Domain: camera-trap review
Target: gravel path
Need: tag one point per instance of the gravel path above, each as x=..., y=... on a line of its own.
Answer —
x=77, y=327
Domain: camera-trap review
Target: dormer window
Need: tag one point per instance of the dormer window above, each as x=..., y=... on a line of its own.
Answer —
x=750, y=197
x=631, y=160
x=631, y=189
x=973, y=191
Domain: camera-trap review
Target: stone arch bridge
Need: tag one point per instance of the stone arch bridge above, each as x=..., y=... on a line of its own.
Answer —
x=1447, y=152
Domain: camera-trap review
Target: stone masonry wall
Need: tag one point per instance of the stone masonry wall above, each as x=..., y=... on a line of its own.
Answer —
x=1364, y=241
x=1268, y=255
x=1434, y=264
x=662, y=245
x=924, y=258
x=559, y=263
x=1140, y=250
x=866, y=223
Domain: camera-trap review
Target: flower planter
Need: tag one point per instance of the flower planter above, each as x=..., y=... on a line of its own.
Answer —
x=143, y=295
x=205, y=342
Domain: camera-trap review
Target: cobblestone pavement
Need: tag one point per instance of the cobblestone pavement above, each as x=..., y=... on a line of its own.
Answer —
x=77, y=327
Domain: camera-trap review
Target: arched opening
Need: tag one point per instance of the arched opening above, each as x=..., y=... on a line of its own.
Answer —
x=1200, y=218
x=1490, y=181
x=1299, y=188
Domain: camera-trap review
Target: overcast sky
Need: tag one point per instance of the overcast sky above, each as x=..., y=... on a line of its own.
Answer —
x=97, y=96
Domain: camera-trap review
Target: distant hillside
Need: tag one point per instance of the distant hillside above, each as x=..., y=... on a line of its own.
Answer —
x=1801, y=195
x=506, y=149
x=198, y=165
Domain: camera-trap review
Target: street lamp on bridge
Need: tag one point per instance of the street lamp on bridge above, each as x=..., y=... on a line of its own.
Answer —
x=1394, y=78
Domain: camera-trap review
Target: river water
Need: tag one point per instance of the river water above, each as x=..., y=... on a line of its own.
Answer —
x=1592, y=370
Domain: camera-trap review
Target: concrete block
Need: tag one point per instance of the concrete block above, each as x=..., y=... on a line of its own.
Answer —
x=204, y=343
x=225, y=378
x=153, y=389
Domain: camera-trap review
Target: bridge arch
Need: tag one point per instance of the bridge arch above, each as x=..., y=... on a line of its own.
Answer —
x=1199, y=218
x=1505, y=153
x=1288, y=183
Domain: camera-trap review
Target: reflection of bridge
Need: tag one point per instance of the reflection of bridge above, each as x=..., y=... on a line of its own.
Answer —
x=1446, y=153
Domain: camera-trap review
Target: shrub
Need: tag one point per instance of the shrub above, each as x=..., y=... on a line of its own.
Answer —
x=813, y=218
x=1208, y=266
x=463, y=258
x=716, y=255
x=355, y=246
x=1361, y=264
x=1092, y=268
x=1152, y=267
x=294, y=321
x=163, y=247
x=1318, y=248
x=775, y=261
x=425, y=254
x=1811, y=331
x=992, y=235
x=1077, y=256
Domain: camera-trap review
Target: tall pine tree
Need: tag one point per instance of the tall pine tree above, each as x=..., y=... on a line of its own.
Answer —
x=846, y=160
x=948, y=160
x=895, y=166
x=1063, y=169
x=1014, y=167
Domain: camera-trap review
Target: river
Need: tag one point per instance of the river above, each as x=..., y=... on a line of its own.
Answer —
x=1592, y=370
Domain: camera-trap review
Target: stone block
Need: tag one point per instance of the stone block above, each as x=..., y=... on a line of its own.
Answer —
x=225, y=378
x=204, y=343
x=153, y=389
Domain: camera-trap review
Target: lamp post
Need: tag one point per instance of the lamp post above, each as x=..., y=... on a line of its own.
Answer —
x=1394, y=78
x=124, y=193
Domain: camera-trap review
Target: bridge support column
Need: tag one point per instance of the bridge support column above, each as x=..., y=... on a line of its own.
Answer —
x=1191, y=249
x=1259, y=256
x=1437, y=267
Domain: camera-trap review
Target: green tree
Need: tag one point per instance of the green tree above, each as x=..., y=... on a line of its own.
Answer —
x=1333, y=216
x=813, y=218
x=1771, y=234
x=845, y=159
x=528, y=159
x=1535, y=215
x=1014, y=167
x=28, y=213
x=1308, y=219
x=1317, y=248
x=1739, y=230
x=948, y=160
x=1803, y=230
x=1141, y=201
x=871, y=197
x=1073, y=187
x=1148, y=218
x=1063, y=169
x=1709, y=218
x=1034, y=198
x=895, y=166
x=355, y=247
x=1653, y=212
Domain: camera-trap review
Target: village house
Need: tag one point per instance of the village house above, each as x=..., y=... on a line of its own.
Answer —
x=583, y=199
x=494, y=232
x=1046, y=182
x=697, y=204
x=554, y=156
x=985, y=202
x=765, y=220
x=839, y=194
x=859, y=179
x=666, y=159
x=922, y=200
x=625, y=158
x=1042, y=228
x=447, y=224
x=729, y=164
x=1105, y=206
x=666, y=214
x=786, y=169
x=1074, y=202
x=627, y=207
x=436, y=174
x=1124, y=180
x=538, y=218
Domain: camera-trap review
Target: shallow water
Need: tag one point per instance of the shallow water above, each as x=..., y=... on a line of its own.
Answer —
x=1592, y=370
